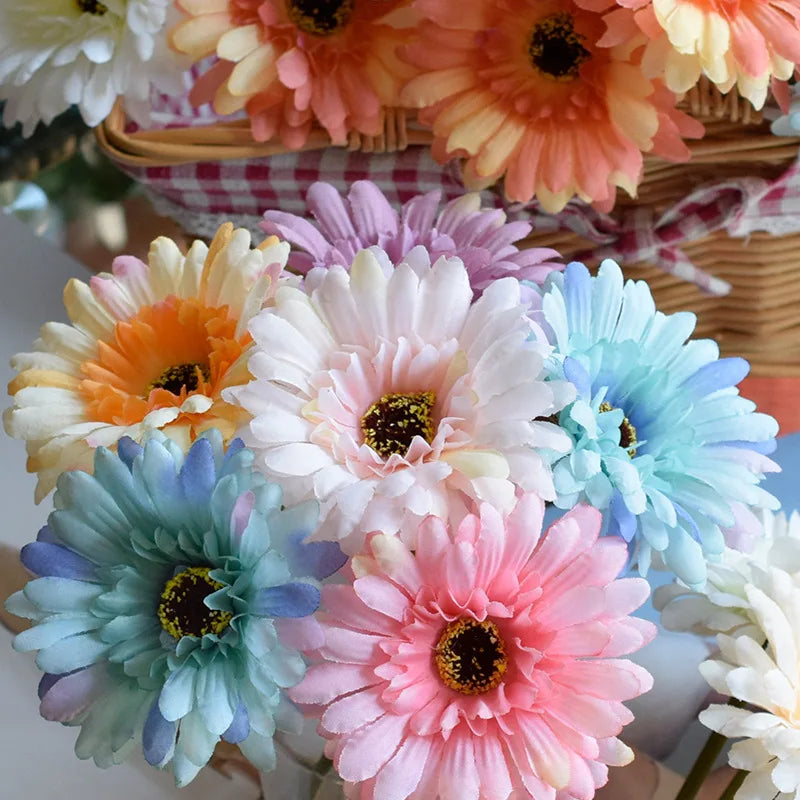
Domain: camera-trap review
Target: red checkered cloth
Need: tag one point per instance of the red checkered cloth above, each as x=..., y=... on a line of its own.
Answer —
x=201, y=196
x=739, y=206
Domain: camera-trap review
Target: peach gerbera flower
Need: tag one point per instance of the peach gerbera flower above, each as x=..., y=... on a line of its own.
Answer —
x=150, y=346
x=744, y=43
x=521, y=88
x=290, y=63
x=486, y=665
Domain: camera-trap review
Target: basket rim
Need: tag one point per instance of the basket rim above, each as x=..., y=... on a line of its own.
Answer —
x=726, y=117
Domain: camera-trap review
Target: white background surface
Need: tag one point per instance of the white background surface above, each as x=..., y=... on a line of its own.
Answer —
x=36, y=757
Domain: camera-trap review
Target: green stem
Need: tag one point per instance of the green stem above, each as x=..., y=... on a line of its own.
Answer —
x=736, y=781
x=702, y=767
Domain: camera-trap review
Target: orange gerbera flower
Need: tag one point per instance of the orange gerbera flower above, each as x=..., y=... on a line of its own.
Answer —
x=150, y=346
x=290, y=62
x=521, y=88
x=744, y=43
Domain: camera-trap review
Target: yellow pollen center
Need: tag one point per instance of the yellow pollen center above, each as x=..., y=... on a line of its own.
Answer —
x=175, y=378
x=627, y=431
x=92, y=7
x=320, y=17
x=182, y=610
x=555, y=49
x=471, y=656
x=390, y=424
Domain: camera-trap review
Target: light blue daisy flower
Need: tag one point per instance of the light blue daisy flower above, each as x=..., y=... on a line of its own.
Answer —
x=173, y=593
x=662, y=441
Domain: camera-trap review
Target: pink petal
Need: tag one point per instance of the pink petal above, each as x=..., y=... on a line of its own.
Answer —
x=350, y=713
x=325, y=682
x=382, y=596
x=370, y=747
x=458, y=774
x=401, y=775
x=351, y=647
x=343, y=604
x=293, y=68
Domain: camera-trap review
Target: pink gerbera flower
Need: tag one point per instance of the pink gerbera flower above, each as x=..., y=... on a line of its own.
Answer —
x=483, y=665
x=480, y=237
x=290, y=62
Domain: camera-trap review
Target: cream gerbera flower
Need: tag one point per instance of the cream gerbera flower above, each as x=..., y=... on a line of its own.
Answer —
x=723, y=604
x=765, y=677
x=56, y=53
x=743, y=44
x=150, y=346
x=387, y=395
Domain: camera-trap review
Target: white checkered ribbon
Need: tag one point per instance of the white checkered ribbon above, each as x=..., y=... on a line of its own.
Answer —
x=739, y=206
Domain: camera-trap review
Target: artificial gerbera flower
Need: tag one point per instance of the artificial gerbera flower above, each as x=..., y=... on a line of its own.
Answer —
x=150, y=346
x=763, y=673
x=387, y=395
x=722, y=604
x=164, y=611
x=662, y=441
x=480, y=237
x=745, y=44
x=55, y=54
x=290, y=63
x=521, y=88
x=484, y=665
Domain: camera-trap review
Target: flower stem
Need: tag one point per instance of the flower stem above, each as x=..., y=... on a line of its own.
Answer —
x=736, y=781
x=702, y=767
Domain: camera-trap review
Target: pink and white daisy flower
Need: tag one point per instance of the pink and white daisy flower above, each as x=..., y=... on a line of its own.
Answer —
x=387, y=395
x=486, y=665
x=480, y=237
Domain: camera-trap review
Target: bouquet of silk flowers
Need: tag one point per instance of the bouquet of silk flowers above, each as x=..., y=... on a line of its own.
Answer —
x=389, y=471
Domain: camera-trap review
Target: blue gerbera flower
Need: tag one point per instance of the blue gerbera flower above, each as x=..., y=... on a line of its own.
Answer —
x=662, y=440
x=172, y=589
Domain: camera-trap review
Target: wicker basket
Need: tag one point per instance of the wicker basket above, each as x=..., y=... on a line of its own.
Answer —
x=757, y=320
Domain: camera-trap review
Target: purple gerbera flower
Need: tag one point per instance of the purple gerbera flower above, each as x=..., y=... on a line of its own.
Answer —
x=480, y=237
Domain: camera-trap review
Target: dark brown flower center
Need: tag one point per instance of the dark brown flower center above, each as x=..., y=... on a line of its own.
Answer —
x=320, y=17
x=390, y=424
x=471, y=656
x=182, y=610
x=555, y=49
x=173, y=379
x=627, y=431
x=92, y=7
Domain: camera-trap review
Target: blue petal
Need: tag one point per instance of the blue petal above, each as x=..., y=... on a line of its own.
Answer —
x=716, y=375
x=46, y=535
x=314, y=559
x=764, y=448
x=623, y=522
x=158, y=737
x=234, y=446
x=128, y=450
x=199, y=475
x=239, y=729
x=575, y=373
x=578, y=297
x=53, y=560
x=289, y=600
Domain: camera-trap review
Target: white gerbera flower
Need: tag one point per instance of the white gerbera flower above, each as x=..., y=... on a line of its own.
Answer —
x=766, y=676
x=722, y=605
x=58, y=53
x=387, y=395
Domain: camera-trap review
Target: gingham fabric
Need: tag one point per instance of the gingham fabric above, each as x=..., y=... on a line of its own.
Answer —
x=740, y=206
x=201, y=196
